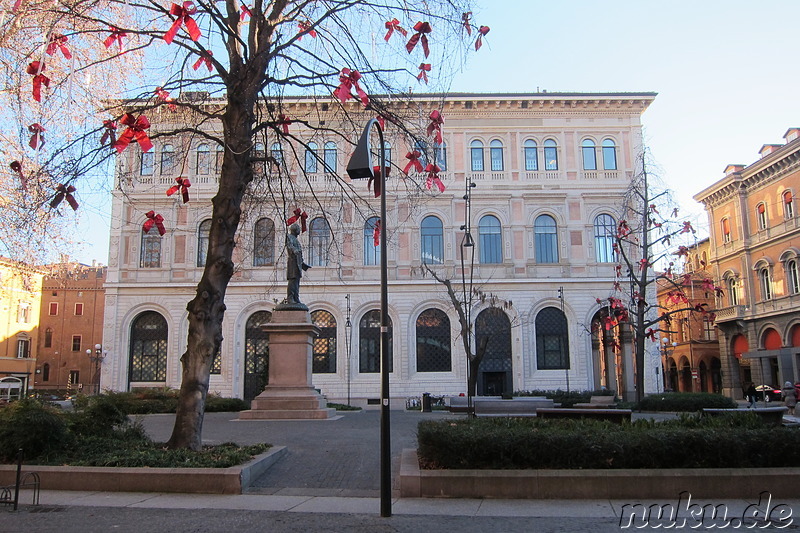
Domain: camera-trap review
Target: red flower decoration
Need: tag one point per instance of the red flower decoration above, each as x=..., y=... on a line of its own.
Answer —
x=16, y=166
x=164, y=97
x=244, y=13
x=35, y=68
x=182, y=184
x=347, y=80
x=284, y=122
x=465, y=20
x=413, y=160
x=63, y=192
x=184, y=14
x=154, y=220
x=376, y=179
x=436, y=125
x=298, y=216
x=58, y=42
x=687, y=227
x=116, y=35
x=391, y=26
x=109, y=133
x=135, y=131
x=37, y=139
x=424, y=68
x=433, y=177
x=305, y=27
x=205, y=57
x=422, y=28
x=483, y=30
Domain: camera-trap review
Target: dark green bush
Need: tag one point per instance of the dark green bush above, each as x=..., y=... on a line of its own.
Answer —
x=724, y=442
x=37, y=428
x=685, y=402
x=217, y=404
x=566, y=399
x=98, y=416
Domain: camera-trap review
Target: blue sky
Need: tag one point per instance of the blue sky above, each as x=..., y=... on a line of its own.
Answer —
x=725, y=72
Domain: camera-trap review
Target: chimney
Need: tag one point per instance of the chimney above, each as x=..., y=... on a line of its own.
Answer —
x=791, y=134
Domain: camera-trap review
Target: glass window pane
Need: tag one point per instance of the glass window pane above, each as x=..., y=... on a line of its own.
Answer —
x=589, y=155
x=324, y=348
x=311, y=158
x=372, y=253
x=151, y=249
x=552, y=341
x=168, y=160
x=550, y=155
x=609, y=155
x=319, y=237
x=330, y=157
x=546, y=239
x=604, y=229
x=203, y=163
x=490, y=240
x=203, y=233
x=531, y=157
x=476, y=156
x=433, y=342
x=148, y=349
x=146, y=163
x=440, y=155
x=264, y=243
x=369, y=342
x=496, y=154
x=432, y=241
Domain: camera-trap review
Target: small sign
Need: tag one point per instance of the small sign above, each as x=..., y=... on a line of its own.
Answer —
x=695, y=374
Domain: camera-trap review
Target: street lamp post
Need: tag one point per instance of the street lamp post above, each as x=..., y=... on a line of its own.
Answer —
x=96, y=357
x=360, y=167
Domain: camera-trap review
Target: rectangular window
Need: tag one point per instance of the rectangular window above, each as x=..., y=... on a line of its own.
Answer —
x=440, y=156
x=531, y=159
x=609, y=158
x=589, y=158
x=726, y=230
x=53, y=308
x=78, y=309
x=709, y=332
x=203, y=162
x=24, y=313
x=550, y=158
x=761, y=215
x=496, y=154
x=74, y=379
x=477, y=159
x=48, y=338
x=23, y=349
x=76, y=343
x=147, y=164
x=788, y=205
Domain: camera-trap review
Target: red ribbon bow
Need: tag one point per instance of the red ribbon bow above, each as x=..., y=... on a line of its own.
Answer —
x=164, y=97
x=154, y=220
x=184, y=14
x=298, y=216
x=16, y=6
x=687, y=227
x=305, y=27
x=436, y=125
x=433, y=177
x=16, y=166
x=58, y=42
x=135, y=131
x=349, y=79
x=244, y=13
x=37, y=139
x=284, y=122
x=205, y=57
x=374, y=182
x=183, y=185
x=109, y=133
x=421, y=28
x=413, y=160
x=62, y=192
x=376, y=233
x=465, y=20
x=424, y=68
x=483, y=30
x=391, y=26
x=116, y=35
x=35, y=68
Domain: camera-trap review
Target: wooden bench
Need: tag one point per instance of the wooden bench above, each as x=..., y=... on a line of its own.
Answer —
x=770, y=415
x=597, y=402
x=617, y=416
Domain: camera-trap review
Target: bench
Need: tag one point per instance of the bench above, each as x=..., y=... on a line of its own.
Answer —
x=597, y=402
x=770, y=415
x=617, y=416
x=485, y=406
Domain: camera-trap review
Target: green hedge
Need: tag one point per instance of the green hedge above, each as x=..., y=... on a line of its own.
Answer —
x=152, y=401
x=566, y=399
x=725, y=442
x=685, y=402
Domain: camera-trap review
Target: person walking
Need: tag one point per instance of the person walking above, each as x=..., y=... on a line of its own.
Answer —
x=789, y=396
x=751, y=395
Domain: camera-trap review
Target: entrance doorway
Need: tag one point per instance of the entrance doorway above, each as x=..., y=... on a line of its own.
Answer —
x=256, y=354
x=494, y=373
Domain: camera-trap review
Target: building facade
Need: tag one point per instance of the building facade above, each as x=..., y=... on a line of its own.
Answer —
x=755, y=256
x=71, y=326
x=549, y=172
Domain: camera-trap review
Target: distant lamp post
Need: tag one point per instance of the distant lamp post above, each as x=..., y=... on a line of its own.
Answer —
x=360, y=167
x=666, y=351
x=96, y=357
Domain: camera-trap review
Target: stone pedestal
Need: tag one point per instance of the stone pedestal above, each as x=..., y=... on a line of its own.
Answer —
x=289, y=394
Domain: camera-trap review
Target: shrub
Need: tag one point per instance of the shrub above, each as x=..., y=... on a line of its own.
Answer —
x=566, y=399
x=217, y=404
x=98, y=416
x=685, y=402
x=37, y=428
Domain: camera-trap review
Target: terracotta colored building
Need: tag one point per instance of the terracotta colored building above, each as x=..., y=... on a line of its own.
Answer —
x=71, y=325
x=755, y=255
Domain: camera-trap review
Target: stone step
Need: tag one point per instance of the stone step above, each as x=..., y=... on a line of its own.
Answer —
x=304, y=414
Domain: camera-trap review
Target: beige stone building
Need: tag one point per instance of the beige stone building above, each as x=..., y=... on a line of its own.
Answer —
x=755, y=254
x=549, y=171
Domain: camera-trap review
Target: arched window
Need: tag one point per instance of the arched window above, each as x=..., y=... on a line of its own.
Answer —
x=546, y=239
x=46, y=372
x=761, y=216
x=589, y=155
x=604, y=229
x=319, y=241
x=550, y=155
x=203, y=234
x=203, y=160
x=146, y=163
x=792, y=277
x=765, y=278
x=264, y=242
x=311, y=158
x=148, y=350
x=432, y=241
x=48, y=338
x=324, y=358
x=493, y=328
x=433, y=342
x=788, y=205
x=151, y=249
x=496, y=155
x=372, y=251
x=552, y=341
x=531, y=155
x=276, y=151
x=733, y=291
x=259, y=156
x=421, y=146
x=256, y=354
x=387, y=148
x=609, y=155
x=168, y=160
x=490, y=236
x=476, y=156
x=330, y=157
x=725, y=227
x=440, y=155
x=771, y=340
x=369, y=342
x=219, y=156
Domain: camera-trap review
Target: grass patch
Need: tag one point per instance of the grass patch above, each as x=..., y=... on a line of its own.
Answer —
x=740, y=441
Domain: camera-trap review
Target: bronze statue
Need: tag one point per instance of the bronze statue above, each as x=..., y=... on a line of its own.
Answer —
x=294, y=269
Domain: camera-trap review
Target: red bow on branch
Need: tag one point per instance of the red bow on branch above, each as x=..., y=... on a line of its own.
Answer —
x=164, y=97
x=183, y=185
x=298, y=216
x=465, y=20
x=16, y=6
x=37, y=137
x=376, y=180
x=283, y=122
x=376, y=233
x=184, y=14
x=63, y=192
x=424, y=68
x=650, y=334
x=413, y=160
x=135, y=131
x=35, y=68
x=436, y=125
x=305, y=27
x=422, y=28
x=109, y=133
x=245, y=12
x=382, y=121
x=643, y=263
x=433, y=177
x=347, y=80
x=58, y=42
x=154, y=220
x=483, y=30
x=16, y=166
x=205, y=57
x=391, y=26
x=687, y=227
x=116, y=35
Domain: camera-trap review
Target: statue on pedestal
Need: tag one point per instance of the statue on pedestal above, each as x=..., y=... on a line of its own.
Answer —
x=294, y=270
